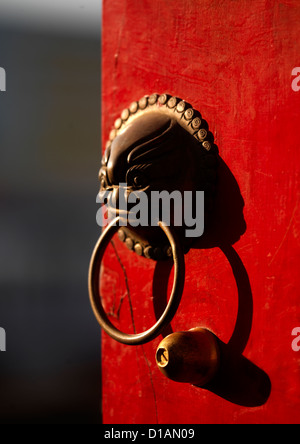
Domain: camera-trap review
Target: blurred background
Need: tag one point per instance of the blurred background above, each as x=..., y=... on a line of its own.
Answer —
x=49, y=162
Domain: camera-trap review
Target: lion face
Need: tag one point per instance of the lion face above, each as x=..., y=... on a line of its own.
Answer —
x=153, y=152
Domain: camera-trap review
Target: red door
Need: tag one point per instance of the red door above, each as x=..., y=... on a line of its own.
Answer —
x=235, y=63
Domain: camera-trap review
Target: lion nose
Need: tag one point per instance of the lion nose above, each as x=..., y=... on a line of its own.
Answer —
x=119, y=196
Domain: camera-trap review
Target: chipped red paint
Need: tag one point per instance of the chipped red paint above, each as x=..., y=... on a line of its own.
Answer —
x=233, y=61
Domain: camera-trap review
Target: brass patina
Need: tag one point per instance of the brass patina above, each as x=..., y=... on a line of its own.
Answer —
x=159, y=143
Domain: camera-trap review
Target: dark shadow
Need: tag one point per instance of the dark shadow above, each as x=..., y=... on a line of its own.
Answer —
x=243, y=325
x=160, y=291
x=225, y=224
x=238, y=380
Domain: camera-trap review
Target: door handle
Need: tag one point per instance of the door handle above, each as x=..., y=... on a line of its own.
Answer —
x=159, y=144
x=170, y=311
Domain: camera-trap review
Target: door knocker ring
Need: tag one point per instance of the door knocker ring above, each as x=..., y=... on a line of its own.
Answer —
x=174, y=300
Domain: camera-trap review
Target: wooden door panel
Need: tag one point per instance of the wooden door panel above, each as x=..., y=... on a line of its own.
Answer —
x=232, y=62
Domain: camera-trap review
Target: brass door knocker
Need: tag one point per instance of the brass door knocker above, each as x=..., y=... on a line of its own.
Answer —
x=174, y=301
x=160, y=143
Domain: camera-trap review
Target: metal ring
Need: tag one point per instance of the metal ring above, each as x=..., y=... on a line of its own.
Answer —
x=174, y=300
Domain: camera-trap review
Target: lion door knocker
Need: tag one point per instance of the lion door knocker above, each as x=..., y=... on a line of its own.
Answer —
x=159, y=144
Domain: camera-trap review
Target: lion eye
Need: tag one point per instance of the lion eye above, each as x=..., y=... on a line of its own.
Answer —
x=138, y=181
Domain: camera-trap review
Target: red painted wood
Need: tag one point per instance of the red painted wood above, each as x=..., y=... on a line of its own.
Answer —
x=233, y=61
